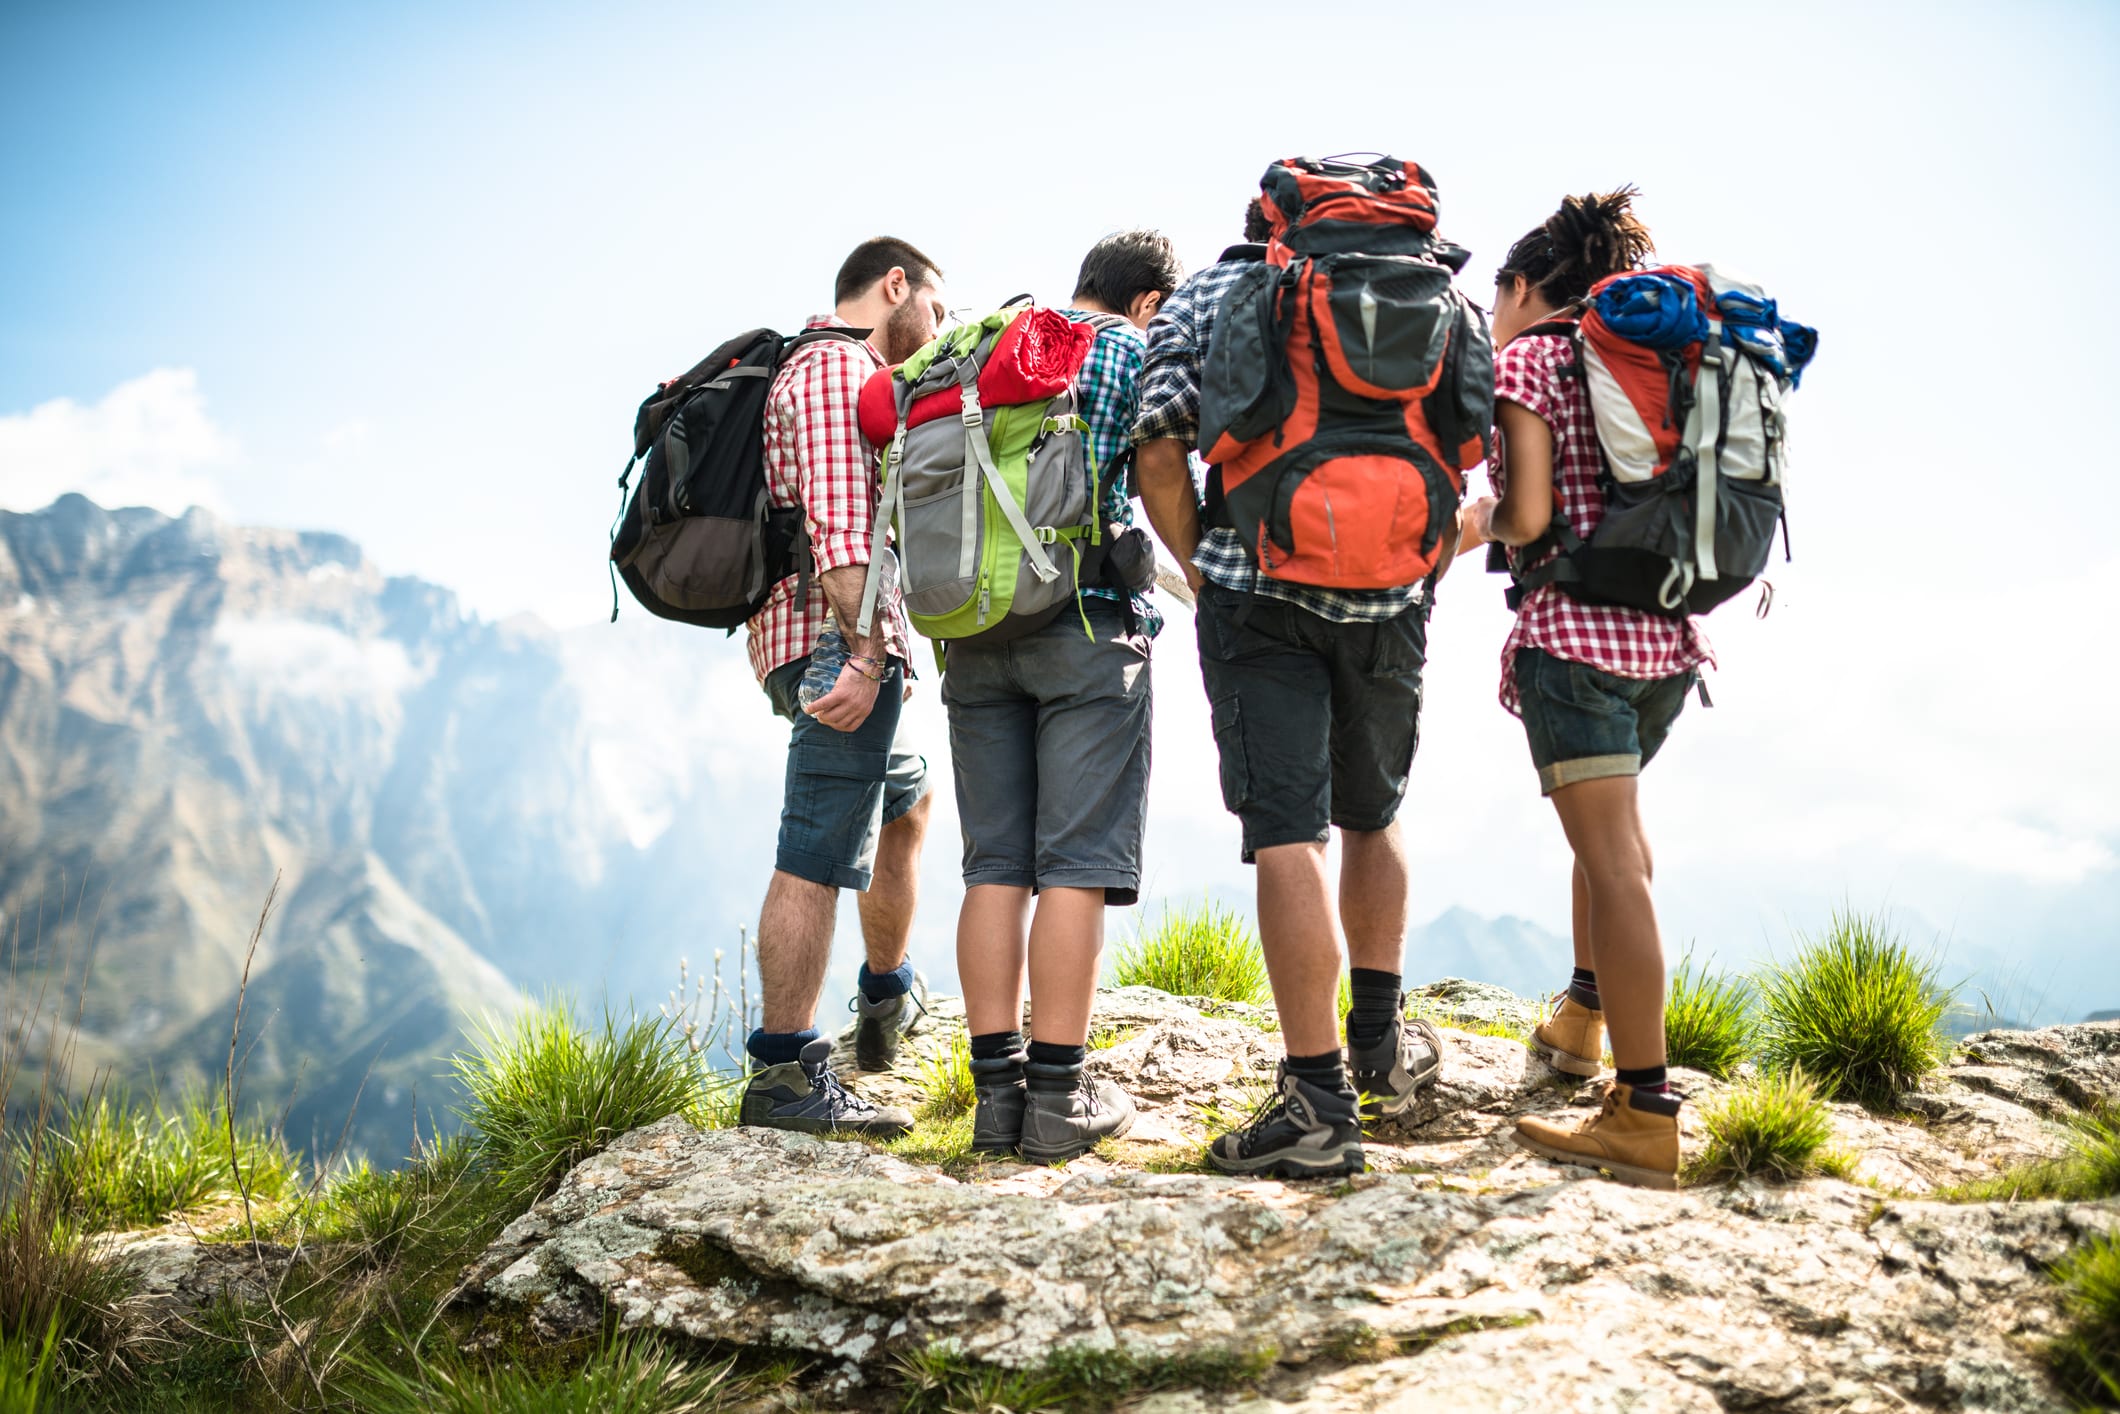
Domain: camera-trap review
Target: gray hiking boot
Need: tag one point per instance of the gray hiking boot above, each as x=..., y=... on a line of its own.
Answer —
x=881, y=1024
x=805, y=1095
x=1066, y=1113
x=997, y=1115
x=1302, y=1131
x=1391, y=1072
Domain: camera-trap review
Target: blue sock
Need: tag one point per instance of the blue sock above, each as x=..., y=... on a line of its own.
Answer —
x=778, y=1047
x=882, y=986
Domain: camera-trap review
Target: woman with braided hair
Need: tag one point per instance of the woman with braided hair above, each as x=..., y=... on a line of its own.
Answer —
x=1597, y=686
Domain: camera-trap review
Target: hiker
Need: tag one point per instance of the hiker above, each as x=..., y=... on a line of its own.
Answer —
x=855, y=804
x=1049, y=736
x=1315, y=689
x=1597, y=686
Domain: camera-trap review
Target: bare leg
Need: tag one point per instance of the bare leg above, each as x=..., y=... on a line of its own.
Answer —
x=1301, y=938
x=991, y=929
x=1374, y=886
x=1067, y=935
x=794, y=944
x=1604, y=828
x=1579, y=915
x=894, y=890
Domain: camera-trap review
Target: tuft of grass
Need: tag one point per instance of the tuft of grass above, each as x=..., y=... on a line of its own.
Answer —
x=943, y=1380
x=2088, y=1356
x=1776, y=1127
x=29, y=1371
x=1206, y=951
x=1106, y=1037
x=544, y=1093
x=127, y=1163
x=1856, y=1010
x=2088, y=1171
x=626, y=1376
x=1710, y=1020
x=946, y=1080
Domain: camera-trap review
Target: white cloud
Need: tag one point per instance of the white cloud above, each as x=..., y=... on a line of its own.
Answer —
x=149, y=442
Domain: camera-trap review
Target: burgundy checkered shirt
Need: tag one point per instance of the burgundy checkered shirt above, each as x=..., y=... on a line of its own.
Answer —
x=1536, y=373
x=817, y=459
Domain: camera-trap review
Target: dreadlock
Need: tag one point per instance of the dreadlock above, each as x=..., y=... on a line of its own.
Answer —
x=1589, y=238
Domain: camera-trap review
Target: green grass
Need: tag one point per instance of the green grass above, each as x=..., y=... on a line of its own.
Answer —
x=2088, y=1356
x=946, y=1080
x=130, y=1164
x=940, y=1380
x=29, y=1373
x=1204, y=951
x=544, y=1092
x=1856, y=1010
x=1711, y=1021
x=1775, y=1127
x=626, y=1376
x=2088, y=1171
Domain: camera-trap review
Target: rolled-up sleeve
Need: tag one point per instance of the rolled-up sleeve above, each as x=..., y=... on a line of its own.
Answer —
x=834, y=465
x=1169, y=383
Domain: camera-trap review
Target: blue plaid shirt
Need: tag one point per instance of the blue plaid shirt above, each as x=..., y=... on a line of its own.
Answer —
x=1105, y=391
x=1169, y=406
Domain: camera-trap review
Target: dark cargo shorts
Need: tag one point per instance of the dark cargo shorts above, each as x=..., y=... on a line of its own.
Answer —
x=842, y=787
x=1316, y=722
x=1586, y=724
x=1049, y=737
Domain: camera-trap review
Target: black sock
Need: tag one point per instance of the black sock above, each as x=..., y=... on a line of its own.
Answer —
x=1326, y=1071
x=1376, y=1004
x=996, y=1044
x=1049, y=1053
x=1650, y=1079
x=1583, y=987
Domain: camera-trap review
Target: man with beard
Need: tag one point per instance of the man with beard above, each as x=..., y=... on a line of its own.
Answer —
x=855, y=806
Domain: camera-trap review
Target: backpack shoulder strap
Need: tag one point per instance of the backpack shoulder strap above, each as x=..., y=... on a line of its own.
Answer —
x=832, y=334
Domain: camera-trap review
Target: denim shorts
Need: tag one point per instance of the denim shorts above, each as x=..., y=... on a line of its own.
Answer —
x=842, y=787
x=1315, y=721
x=1049, y=738
x=1586, y=724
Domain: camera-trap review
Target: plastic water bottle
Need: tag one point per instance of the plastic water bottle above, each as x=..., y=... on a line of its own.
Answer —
x=830, y=654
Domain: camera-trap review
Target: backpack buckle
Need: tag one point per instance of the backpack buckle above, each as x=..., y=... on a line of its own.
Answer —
x=970, y=412
x=1046, y=534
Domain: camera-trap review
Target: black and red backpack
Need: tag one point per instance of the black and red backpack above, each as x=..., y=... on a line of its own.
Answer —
x=1348, y=385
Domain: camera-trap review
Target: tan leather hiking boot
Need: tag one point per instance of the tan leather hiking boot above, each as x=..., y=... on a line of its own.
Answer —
x=1572, y=1039
x=1634, y=1136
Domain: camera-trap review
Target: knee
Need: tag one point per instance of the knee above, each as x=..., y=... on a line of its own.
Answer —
x=1624, y=867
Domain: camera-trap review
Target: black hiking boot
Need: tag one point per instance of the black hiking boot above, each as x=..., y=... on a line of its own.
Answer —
x=1067, y=1113
x=997, y=1112
x=805, y=1095
x=882, y=1024
x=1390, y=1072
x=1302, y=1131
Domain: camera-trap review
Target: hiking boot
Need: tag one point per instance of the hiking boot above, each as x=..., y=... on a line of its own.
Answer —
x=1634, y=1136
x=1066, y=1112
x=805, y=1095
x=1302, y=1131
x=881, y=1024
x=1389, y=1072
x=997, y=1112
x=1572, y=1039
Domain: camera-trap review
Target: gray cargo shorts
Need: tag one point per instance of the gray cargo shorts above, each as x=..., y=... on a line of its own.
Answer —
x=1049, y=736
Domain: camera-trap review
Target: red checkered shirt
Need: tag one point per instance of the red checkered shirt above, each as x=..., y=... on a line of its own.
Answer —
x=817, y=459
x=1536, y=373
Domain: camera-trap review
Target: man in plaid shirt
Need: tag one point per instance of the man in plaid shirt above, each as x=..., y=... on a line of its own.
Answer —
x=1316, y=699
x=1049, y=735
x=854, y=810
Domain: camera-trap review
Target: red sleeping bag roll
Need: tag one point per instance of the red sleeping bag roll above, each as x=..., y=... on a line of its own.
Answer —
x=1037, y=356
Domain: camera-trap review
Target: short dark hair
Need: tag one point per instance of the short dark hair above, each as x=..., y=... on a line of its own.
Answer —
x=877, y=257
x=1256, y=227
x=1128, y=264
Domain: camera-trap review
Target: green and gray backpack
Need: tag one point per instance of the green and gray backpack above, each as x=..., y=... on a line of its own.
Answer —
x=994, y=500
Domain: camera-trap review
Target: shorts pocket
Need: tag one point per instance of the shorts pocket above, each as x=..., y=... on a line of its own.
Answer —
x=1228, y=720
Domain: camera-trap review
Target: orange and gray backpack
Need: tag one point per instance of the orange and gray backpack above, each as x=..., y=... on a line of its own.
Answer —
x=1348, y=386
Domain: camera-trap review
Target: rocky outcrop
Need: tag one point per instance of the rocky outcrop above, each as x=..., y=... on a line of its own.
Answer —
x=1460, y=1272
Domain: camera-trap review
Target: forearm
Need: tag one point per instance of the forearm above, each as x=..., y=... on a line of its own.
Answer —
x=842, y=590
x=1165, y=477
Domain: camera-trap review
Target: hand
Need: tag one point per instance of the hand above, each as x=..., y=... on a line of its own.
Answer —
x=849, y=703
x=1476, y=522
x=1193, y=578
x=907, y=695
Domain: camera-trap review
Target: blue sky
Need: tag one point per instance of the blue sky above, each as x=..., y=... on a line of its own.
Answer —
x=403, y=271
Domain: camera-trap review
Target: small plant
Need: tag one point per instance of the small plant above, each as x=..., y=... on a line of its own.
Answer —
x=1774, y=1128
x=545, y=1093
x=132, y=1164
x=946, y=1080
x=2088, y=1356
x=1856, y=1010
x=1207, y=951
x=1710, y=1022
x=2090, y=1170
x=626, y=1376
x=29, y=1372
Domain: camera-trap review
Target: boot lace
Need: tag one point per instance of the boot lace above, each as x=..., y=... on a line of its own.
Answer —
x=838, y=1099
